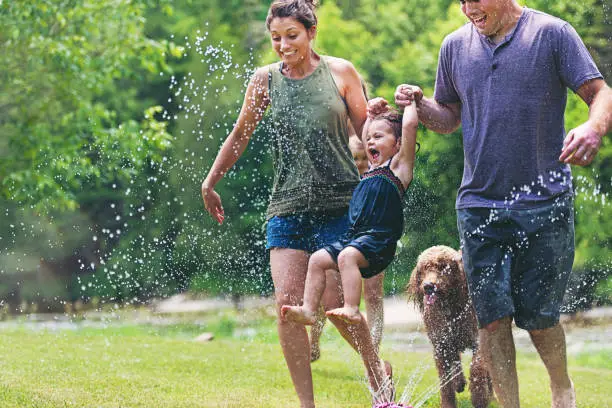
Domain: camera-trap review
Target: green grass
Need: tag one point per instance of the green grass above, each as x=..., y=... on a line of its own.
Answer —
x=161, y=366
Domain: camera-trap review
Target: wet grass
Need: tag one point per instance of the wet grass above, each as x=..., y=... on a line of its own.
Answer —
x=153, y=365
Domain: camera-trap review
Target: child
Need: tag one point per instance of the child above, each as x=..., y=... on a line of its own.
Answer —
x=376, y=218
x=372, y=288
x=358, y=152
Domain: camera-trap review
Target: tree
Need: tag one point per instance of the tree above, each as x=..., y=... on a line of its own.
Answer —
x=74, y=134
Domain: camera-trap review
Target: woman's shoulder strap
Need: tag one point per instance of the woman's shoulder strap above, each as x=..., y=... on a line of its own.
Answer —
x=274, y=75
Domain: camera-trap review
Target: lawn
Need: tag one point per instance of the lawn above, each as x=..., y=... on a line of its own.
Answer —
x=152, y=365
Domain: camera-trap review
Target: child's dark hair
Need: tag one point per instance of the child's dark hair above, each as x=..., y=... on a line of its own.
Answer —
x=302, y=10
x=394, y=118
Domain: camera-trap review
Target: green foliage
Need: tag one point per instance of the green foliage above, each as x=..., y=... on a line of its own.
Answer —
x=603, y=294
x=77, y=135
x=65, y=125
x=91, y=92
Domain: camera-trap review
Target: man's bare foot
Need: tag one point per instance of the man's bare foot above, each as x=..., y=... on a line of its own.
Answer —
x=298, y=314
x=564, y=398
x=350, y=315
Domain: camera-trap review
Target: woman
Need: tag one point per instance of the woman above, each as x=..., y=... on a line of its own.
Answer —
x=310, y=99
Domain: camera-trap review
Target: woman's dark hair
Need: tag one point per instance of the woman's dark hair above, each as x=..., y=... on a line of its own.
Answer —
x=302, y=10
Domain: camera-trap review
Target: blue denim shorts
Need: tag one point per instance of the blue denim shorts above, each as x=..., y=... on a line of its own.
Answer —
x=308, y=231
x=518, y=262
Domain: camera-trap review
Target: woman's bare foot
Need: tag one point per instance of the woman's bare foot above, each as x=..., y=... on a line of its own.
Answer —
x=298, y=314
x=388, y=369
x=350, y=315
x=386, y=390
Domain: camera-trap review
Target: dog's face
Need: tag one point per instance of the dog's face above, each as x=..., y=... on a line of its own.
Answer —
x=437, y=279
x=437, y=275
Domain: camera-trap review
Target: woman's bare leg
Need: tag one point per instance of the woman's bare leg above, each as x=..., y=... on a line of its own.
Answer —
x=357, y=335
x=289, y=267
x=316, y=331
x=373, y=296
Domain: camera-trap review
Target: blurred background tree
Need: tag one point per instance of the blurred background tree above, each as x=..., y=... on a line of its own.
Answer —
x=113, y=111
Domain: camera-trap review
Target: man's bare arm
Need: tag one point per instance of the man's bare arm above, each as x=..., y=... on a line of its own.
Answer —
x=582, y=143
x=441, y=118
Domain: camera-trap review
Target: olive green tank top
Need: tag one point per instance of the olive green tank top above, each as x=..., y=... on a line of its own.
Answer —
x=313, y=166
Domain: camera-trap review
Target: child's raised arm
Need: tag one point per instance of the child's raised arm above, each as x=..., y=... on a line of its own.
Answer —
x=405, y=164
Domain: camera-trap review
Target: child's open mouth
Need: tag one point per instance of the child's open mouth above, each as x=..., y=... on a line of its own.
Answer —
x=374, y=154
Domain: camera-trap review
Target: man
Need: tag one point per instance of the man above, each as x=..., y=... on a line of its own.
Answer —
x=504, y=78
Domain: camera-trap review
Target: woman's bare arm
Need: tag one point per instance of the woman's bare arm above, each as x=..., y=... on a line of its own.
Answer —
x=255, y=103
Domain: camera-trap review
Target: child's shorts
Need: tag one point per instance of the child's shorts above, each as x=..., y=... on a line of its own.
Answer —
x=307, y=231
x=378, y=252
x=518, y=262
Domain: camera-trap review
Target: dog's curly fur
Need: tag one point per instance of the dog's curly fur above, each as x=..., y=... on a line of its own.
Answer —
x=438, y=288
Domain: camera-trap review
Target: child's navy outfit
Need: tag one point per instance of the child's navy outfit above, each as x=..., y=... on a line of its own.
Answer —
x=376, y=220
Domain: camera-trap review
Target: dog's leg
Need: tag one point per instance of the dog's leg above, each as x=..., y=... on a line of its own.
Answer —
x=444, y=364
x=459, y=380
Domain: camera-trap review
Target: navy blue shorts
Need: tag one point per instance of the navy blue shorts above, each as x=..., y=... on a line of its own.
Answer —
x=518, y=262
x=379, y=253
x=308, y=231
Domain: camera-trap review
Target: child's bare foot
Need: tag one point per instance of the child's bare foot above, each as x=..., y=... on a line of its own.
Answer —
x=565, y=398
x=298, y=314
x=350, y=315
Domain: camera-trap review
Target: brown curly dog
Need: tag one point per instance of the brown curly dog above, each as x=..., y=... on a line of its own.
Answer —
x=438, y=288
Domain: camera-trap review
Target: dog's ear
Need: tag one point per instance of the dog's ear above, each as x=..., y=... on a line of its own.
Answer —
x=413, y=288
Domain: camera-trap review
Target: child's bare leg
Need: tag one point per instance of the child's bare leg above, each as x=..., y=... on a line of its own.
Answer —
x=315, y=335
x=349, y=262
x=373, y=296
x=319, y=262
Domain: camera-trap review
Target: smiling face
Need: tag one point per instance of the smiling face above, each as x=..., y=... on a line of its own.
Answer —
x=291, y=40
x=380, y=141
x=492, y=18
x=359, y=154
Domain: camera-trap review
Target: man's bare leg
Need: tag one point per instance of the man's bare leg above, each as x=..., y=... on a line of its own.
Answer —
x=289, y=268
x=497, y=345
x=319, y=262
x=349, y=262
x=550, y=344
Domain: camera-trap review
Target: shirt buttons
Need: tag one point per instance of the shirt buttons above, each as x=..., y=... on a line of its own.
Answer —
x=494, y=66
